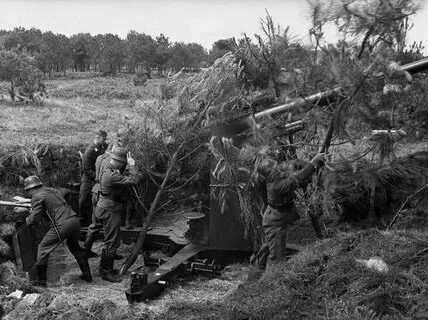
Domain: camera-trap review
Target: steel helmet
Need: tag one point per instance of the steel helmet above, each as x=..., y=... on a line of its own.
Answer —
x=266, y=166
x=119, y=154
x=32, y=182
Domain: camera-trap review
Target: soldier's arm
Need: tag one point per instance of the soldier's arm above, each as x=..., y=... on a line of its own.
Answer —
x=304, y=174
x=98, y=165
x=37, y=210
x=301, y=176
x=88, y=163
x=118, y=179
x=295, y=180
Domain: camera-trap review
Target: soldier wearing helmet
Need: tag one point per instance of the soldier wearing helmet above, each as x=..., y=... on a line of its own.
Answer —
x=281, y=181
x=95, y=226
x=111, y=206
x=88, y=173
x=121, y=139
x=64, y=225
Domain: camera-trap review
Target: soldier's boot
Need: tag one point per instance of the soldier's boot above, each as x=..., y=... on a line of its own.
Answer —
x=113, y=256
x=106, y=269
x=84, y=267
x=88, y=245
x=41, y=275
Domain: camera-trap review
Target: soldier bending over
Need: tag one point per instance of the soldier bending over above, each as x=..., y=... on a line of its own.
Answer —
x=64, y=225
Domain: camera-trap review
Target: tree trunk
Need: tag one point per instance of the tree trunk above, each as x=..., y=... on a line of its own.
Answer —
x=142, y=236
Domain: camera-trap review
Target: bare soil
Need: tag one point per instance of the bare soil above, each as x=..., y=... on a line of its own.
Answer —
x=63, y=278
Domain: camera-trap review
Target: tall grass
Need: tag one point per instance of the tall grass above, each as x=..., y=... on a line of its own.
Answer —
x=103, y=88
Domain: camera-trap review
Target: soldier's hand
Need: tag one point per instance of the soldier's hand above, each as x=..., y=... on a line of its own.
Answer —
x=20, y=210
x=319, y=159
x=131, y=160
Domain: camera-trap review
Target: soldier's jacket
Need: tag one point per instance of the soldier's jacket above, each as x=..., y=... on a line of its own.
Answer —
x=280, y=190
x=100, y=167
x=113, y=185
x=50, y=203
x=89, y=159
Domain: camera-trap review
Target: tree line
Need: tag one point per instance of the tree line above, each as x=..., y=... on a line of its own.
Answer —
x=105, y=53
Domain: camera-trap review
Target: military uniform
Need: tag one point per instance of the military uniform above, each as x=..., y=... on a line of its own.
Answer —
x=88, y=179
x=281, y=211
x=112, y=204
x=64, y=224
x=96, y=226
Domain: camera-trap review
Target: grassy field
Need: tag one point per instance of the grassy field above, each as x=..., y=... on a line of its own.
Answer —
x=74, y=110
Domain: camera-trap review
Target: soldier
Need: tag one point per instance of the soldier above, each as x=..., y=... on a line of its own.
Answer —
x=95, y=227
x=281, y=182
x=111, y=206
x=88, y=174
x=100, y=166
x=121, y=140
x=64, y=225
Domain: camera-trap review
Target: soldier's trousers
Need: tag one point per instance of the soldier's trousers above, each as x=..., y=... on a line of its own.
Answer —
x=85, y=200
x=111, y=220
x=275, y=226
x=68, y=230
x=96, y=225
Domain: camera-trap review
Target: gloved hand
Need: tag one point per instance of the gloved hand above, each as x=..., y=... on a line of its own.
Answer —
x=131, y=160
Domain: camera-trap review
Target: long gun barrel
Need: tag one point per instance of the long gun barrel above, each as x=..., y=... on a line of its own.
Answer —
x=242, y=124
x=14, y=204
x=324, y=97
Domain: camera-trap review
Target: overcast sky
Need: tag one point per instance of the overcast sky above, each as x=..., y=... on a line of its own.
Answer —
x=202, y=21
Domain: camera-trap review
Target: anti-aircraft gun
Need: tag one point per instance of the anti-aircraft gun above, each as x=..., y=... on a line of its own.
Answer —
x=217, y=232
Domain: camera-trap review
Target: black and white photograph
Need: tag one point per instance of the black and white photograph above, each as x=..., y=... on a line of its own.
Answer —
x=213, y=159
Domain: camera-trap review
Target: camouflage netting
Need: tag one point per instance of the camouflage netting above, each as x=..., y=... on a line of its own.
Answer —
x=181, y=122
x=365, y=189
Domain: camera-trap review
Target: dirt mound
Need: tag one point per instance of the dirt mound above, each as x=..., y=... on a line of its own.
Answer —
x=326, y=281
